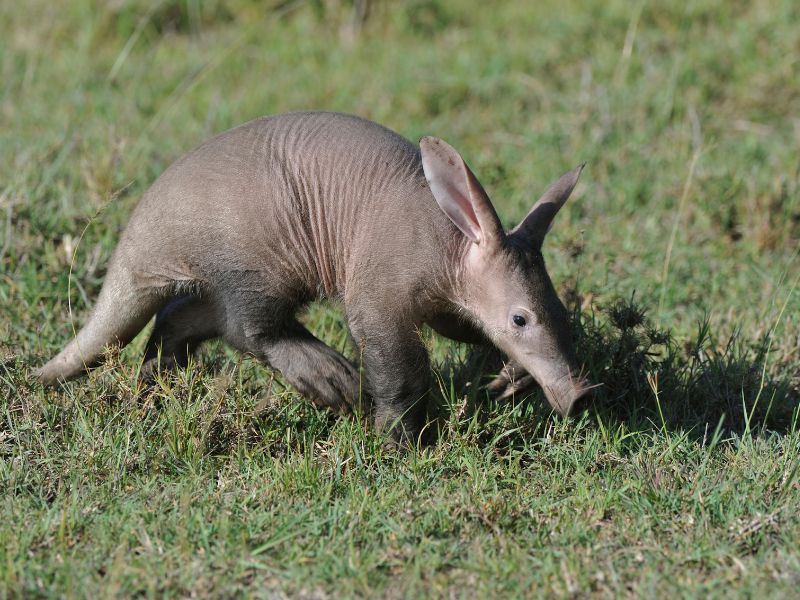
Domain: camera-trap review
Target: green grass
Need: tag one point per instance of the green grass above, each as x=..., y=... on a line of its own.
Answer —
x=678, y=256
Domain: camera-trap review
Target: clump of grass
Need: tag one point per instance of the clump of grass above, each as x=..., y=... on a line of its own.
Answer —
x=649, y=376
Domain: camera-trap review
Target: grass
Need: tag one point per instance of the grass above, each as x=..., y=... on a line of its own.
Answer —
x=678, y=257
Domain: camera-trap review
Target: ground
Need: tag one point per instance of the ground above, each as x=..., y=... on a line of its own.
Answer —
x=677, y=256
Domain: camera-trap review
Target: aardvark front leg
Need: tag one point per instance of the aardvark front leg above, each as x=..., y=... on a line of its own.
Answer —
x=396, y=370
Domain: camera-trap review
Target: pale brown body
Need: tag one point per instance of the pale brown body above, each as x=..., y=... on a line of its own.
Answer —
x=239, y=234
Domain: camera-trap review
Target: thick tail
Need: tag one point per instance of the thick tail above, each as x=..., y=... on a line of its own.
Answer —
x=121, y=312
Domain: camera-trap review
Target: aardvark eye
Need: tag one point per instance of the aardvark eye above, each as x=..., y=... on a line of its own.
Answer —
x=519, y=320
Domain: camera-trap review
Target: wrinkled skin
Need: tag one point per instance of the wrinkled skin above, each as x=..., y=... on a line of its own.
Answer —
x=238, y=235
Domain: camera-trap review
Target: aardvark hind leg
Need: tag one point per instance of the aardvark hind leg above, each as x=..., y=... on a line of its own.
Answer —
x=180, y=327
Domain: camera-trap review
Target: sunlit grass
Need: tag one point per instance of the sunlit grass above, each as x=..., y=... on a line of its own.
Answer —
x=678, y=256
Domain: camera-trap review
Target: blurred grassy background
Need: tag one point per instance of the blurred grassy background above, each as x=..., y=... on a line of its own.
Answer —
x=689, y=117
x=101, y=98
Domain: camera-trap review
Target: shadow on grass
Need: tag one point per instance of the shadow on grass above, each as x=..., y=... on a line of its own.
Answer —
x=650, y=381
x=694, y=386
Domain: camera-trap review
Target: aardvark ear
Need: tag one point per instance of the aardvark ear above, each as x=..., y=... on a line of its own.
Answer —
x=535, y=226
x=458, y=192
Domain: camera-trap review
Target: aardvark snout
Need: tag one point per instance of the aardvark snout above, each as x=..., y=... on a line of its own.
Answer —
x=565, y=394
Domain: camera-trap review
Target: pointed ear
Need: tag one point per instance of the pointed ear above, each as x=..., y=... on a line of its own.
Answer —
x=458, y=192
x=535, y=226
